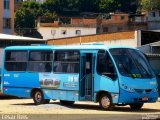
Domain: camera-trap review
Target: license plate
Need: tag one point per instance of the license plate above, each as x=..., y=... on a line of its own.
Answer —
x=144, y=98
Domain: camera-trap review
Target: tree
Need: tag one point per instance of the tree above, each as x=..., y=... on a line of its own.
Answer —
x=26, y=16
x=150, y=5
x=108, y=5
x=128, y=6
x=51, y=6
x=88, y=6
x=24, y=19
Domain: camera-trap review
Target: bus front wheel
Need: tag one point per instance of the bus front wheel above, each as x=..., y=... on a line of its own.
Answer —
x=105, y=102
x=67, y=103
x=38, y=98
x=136, y=106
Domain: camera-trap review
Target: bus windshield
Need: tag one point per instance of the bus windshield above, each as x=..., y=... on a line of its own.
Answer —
x=132, y=63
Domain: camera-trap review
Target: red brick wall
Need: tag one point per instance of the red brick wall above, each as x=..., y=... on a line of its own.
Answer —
x=116, y=19
x=12, y=15
x=77, y=21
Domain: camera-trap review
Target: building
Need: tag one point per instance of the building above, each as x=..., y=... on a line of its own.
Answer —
x=17, y=4
x=86, y=25
x=77, y=21
x=7, y=16
x=138, y=22
x=55, y=30
x=113, y=22
x=153, y=20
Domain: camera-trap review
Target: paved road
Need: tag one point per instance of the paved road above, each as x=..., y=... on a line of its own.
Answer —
x=23, y=109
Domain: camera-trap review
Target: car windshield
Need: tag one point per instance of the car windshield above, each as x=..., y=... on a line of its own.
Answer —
x=132, y=63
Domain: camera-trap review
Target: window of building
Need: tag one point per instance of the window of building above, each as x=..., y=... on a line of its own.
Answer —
x=105, y=65
x=40, y=61
x=78, y=32
x=7, y=23
x=64, y=32
x=18, y=1
x=16, y=60
x=119, y=28
x=122, y=17
x=66, y=61
x=153, y=14
x=6, y=4
x=105, y=29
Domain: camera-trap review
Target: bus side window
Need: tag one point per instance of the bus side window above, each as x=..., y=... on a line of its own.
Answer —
x=105, y=65
x=40, y=61
x=66, y=61
x=16, y=60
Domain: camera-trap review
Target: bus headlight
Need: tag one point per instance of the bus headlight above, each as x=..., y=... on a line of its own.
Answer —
x=155, y=90
x=128, y=88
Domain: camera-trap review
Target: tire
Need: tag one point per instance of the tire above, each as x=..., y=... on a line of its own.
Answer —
x=66, y=103
x=105, y=102
x=136, y=106
x=46, y=101
x=38, y=98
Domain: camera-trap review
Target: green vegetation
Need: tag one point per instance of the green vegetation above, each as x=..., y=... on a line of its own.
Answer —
x=150, y=5
x=28, y=14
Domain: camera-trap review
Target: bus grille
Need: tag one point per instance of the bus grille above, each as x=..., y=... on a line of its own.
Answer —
x=143, y=90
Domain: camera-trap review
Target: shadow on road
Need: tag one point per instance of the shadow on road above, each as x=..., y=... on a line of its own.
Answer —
x=6, y=97
x=96, y=107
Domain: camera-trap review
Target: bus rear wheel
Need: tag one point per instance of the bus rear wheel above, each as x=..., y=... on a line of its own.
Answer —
x=105, y=102
x=67, y=103
x=136, y=106
x=38, y=98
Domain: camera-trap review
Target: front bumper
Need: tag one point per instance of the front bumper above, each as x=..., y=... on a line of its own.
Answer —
x=134, y=97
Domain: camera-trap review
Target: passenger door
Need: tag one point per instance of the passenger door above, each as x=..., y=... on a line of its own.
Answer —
x=87, y=76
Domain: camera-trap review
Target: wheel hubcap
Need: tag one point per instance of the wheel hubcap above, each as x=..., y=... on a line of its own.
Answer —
x=38, y=96
x=105, y=102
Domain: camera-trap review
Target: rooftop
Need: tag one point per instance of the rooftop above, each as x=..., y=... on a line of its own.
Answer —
x=18, y=38
x=66, y=47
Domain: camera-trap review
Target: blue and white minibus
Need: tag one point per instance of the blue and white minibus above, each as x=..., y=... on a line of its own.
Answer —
x=98, y=73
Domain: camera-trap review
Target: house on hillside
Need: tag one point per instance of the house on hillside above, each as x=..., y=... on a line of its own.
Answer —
x=153, y=20
x=75, y=27
x=113, y=23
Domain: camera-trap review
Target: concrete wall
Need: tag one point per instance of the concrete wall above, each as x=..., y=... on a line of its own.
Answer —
x=47, y=32
x=154, y=25
x=154, y=21
x=153, y=18
x=120, y=38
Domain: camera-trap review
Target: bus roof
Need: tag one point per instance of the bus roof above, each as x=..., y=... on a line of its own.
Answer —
x=63, y=47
